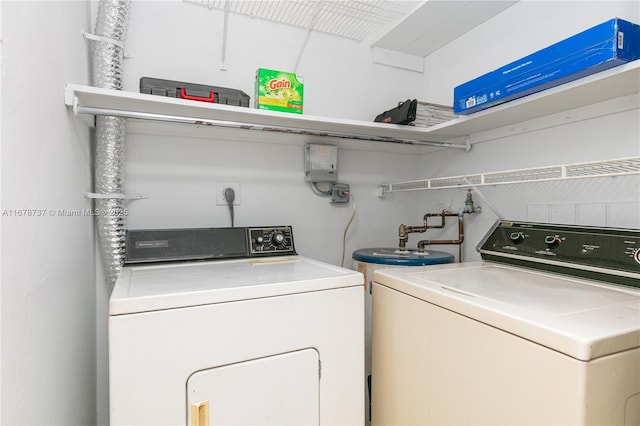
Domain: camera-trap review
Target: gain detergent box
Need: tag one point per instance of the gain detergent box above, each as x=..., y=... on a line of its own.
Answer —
x=278, y=91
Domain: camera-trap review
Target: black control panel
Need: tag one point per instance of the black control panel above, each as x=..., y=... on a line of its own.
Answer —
x=608, y=254
x=179, y=244
x=278, y=240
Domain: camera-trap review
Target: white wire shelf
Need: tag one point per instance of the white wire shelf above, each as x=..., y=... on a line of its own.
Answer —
x=350, y=19
x=616, y=167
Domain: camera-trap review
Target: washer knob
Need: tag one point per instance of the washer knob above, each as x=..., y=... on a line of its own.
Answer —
x=551, y=241
x=516, y=237
x=277, y=238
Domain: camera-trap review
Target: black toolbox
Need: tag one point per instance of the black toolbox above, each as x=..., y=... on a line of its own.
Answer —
x=194, y=92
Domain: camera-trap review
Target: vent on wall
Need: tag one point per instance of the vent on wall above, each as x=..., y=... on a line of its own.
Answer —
x=354, y=19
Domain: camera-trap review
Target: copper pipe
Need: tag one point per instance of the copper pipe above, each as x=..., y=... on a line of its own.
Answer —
x=459, y=241
x=405, y=230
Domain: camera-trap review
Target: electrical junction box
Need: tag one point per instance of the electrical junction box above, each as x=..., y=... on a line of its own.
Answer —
x=320, y=163
x=340, y=193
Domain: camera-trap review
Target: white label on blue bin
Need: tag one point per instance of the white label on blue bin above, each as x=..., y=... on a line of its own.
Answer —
x=620, y=40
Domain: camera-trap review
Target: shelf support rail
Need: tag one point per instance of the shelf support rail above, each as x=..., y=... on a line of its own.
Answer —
x=310, y=27
x=225, y=30
x=79, y=109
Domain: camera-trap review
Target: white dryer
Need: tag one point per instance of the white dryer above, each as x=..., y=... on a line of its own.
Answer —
x=544, y=331
x=271, y=338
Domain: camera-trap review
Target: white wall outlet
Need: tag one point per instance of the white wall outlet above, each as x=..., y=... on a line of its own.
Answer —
x=221, y=200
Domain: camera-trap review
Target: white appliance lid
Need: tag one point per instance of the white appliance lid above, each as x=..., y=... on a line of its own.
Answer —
x=583, y=319
x=168, y=286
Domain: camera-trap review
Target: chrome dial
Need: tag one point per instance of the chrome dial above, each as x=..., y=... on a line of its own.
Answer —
x=277, y=238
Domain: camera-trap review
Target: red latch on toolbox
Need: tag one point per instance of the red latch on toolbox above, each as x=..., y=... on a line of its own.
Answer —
x=183, y=95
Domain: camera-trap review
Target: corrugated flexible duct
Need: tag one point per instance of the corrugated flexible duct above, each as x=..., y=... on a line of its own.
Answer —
x=107, y=54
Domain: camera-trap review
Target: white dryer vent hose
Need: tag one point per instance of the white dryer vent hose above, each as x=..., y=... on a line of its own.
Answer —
x=107, y=54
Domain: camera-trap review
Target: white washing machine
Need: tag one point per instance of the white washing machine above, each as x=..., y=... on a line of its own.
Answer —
x=545, y=330
x=270, y=338
x=367, y=261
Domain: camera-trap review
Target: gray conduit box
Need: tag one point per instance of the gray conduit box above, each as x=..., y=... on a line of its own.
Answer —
x=320, y=163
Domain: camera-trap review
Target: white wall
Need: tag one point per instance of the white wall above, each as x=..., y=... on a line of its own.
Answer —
x=183, y=41
x=48, y=274
x=179, y=173
x=520, y=30
x=180, y=178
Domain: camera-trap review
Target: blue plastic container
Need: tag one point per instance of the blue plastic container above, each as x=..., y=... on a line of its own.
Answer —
x=598, y=48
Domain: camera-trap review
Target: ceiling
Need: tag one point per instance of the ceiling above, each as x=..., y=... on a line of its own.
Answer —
x=413, y=28
x=437, y=22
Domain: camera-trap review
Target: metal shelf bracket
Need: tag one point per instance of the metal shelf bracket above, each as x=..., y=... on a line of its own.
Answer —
x=93, y=195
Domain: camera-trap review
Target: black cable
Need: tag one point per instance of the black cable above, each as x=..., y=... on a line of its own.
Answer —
x=230, y=196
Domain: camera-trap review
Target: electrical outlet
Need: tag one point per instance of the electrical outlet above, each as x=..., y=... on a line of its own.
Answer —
x=220, y=188
x=340, y=193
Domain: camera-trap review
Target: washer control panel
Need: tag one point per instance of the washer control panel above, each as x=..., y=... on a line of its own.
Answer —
x=601, y=250
x=271, y=240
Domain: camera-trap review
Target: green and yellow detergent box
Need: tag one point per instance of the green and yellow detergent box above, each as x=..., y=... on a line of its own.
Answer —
x=278, y=91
